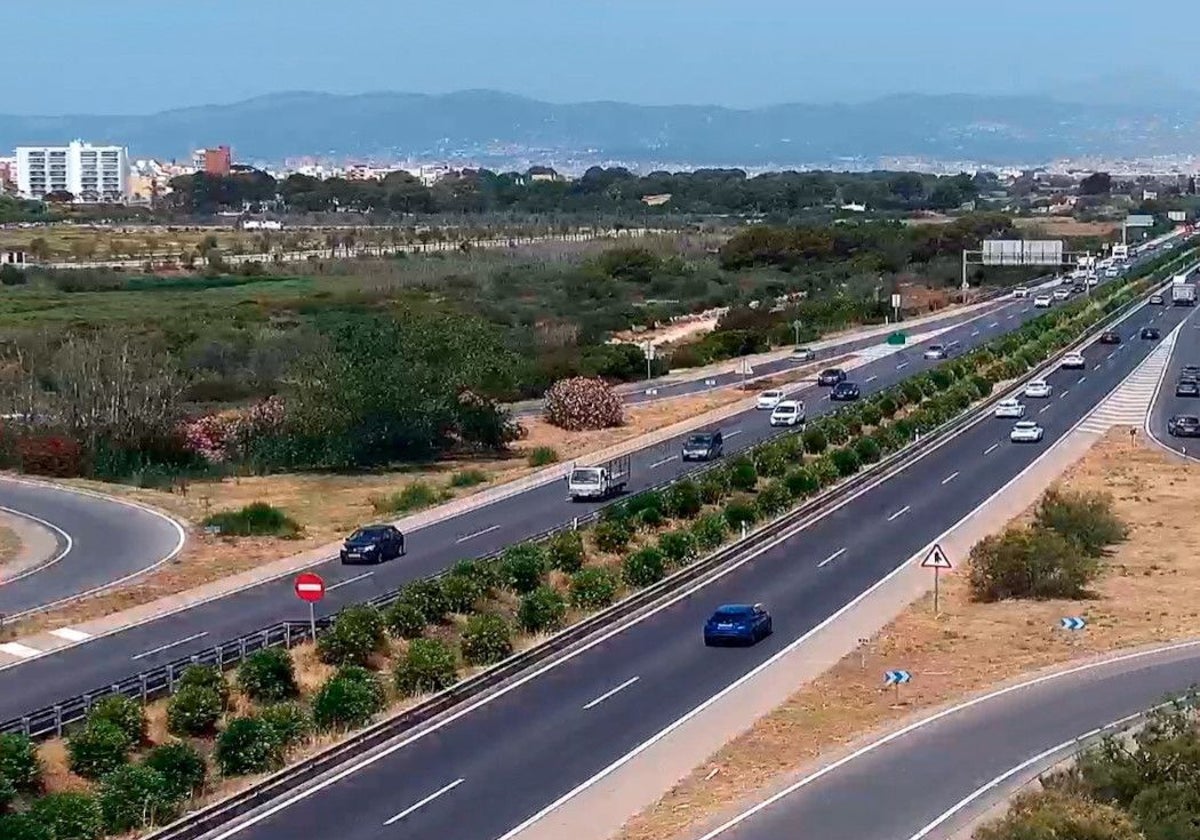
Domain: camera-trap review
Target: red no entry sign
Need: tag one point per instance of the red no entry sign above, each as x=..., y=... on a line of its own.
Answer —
x=310, y=587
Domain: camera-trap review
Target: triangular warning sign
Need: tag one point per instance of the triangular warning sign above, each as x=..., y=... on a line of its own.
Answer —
x=936, y=559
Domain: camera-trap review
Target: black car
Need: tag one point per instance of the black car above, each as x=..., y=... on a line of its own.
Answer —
x=373, y=544
x=1079, y=288
x=1110, y=337
x=1190, y=372
x=1187, y=388
x=703, y=446
x=831, y=376
x=1185, y=425
x=1150, y=333
x=844, y=392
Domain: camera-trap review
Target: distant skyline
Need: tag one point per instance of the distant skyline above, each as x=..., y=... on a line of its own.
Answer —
x=143, y=56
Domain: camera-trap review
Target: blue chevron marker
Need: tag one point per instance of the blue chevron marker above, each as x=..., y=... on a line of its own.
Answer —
x=1073, y=622
x=896, y=677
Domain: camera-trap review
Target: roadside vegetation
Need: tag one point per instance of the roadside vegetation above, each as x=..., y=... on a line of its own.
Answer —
x=437, y=631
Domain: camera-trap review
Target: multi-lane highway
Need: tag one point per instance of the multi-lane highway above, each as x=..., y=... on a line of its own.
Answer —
x=101, y=541
x=39, y=681
x=485, y=772
x=1167, y=404
x=936, y=775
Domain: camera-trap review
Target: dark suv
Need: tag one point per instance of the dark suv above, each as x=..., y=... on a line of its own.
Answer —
x=844, y=392
x=1185, y=425
x=1187, y=388
x=1110, y=337
x=1150, y=333
x=832, y=376
x=373, y=544
x=703, y=446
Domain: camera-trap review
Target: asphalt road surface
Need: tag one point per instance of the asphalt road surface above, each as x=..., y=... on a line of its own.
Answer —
x=929, y=781
x=482, y=774
x=100, y=541
x=1186, y=352
x=38, y=682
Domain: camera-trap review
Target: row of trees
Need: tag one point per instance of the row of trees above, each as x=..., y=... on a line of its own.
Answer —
x=599, y=190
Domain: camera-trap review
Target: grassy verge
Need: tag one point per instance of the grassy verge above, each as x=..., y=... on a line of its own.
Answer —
x=1147, y=593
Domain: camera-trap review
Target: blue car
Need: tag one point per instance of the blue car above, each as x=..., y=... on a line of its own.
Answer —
x=737, y=624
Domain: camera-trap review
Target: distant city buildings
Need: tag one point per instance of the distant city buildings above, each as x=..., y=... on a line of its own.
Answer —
x=84, y=172
x=213, y=161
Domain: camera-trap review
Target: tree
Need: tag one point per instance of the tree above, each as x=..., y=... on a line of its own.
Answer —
x=1098, y=183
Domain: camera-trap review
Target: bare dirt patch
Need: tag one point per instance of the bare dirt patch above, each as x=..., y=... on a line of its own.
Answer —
x=1066, y=226
x=1149, y=593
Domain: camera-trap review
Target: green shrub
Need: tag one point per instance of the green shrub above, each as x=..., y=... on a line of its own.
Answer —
x=135, y=797
x=24, y=827
x=643, y=567
x=205, y=676
x=742, y=475
x=97, y=749
x=647, y=500
x=541, y=610
x=193, y=711
x=123, y=712
x=485, y=573
x=871, y=414
x=611, y=537
x=710, y=531
x=846, y=461
x=801, y=482
x=357, y=633
x=429, y=665
x=826, y=470
x=411, y=497
x=593, y=588
x=678, y=547
x=739, y=511
x=462, y=593
x=713, y=487
x=1044, y=814
x=19, y=763
x=8, y=795
x=814, y=440
x=69, y=815
x=773, y=499
x=912, y=391
x=616, y=512
x=852, y=424
x=1029, y=563
x=268, y=676
x=257, y=519
x=564, y=551
x=941, y=378
x=771, y=461
x=404, y=621
x=867, y=449
x=683, y=499
x=543, y=456
x=1084, y=519
x=468, y=478
x=836, y=431
x=290, y=722
x=248, y=745
x=181, y=765
x=522, y=567
x=428, y=598
x=486, y=639
x=349, y=698
x=649, y=518
x=887, y=406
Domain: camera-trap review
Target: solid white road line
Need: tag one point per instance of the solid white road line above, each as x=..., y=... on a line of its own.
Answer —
x=440, y=792
x=870, y=379
x=657, y=464
x=991, y=449
x=161, y=648
x=484, y=531
x=594, y=703
x=70, y=634
x=898, y=514
x=1043, y=409
x=950, y=478
x=831, y=558
x=902, y=366
x=68, y=544
x=734, y=433
x=348, y=580
x=19, y=650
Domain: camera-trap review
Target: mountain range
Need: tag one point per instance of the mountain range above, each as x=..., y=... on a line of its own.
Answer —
x=500, y=129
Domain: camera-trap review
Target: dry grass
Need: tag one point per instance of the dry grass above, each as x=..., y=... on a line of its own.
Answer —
x=1150, y=593
x=10, y=546
x=1066, y=226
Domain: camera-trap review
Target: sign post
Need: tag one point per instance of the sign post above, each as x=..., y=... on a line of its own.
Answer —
x=649, y=349
x=310, y=589
x=937, y=560
x=896, y=679
x=797, y=325
x=745, y=369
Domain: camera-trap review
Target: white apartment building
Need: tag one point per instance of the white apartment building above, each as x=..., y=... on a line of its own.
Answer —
x=89, y=173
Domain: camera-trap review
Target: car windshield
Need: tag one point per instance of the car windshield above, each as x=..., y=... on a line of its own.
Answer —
x=832, y=372
x=726, y=613
x=784, y=408
x=587, y=475
x=772, y=394
x=699, y=440
x=368, y=533
x=1025, y=424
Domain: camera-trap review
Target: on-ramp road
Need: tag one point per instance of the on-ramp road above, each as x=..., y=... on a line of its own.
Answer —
x=101, y=541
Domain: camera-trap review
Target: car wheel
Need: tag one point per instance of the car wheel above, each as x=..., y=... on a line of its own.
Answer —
x=770, y=627
x=708, y=642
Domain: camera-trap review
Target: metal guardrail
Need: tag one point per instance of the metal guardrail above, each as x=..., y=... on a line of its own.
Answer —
x=51, y=721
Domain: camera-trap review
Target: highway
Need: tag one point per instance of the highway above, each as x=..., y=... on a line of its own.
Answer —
x=1186, y=352
x=485, y=771
x=100, y=541
x=930, y=779
x=43, y=680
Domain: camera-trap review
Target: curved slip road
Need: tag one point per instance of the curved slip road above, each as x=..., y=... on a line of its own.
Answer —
x=101, y=541
x=1166, y=404
x=933, y=776
x=488, y=770
x=38, y=681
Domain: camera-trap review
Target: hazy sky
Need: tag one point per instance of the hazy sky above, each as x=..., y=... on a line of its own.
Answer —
x=138, y=56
